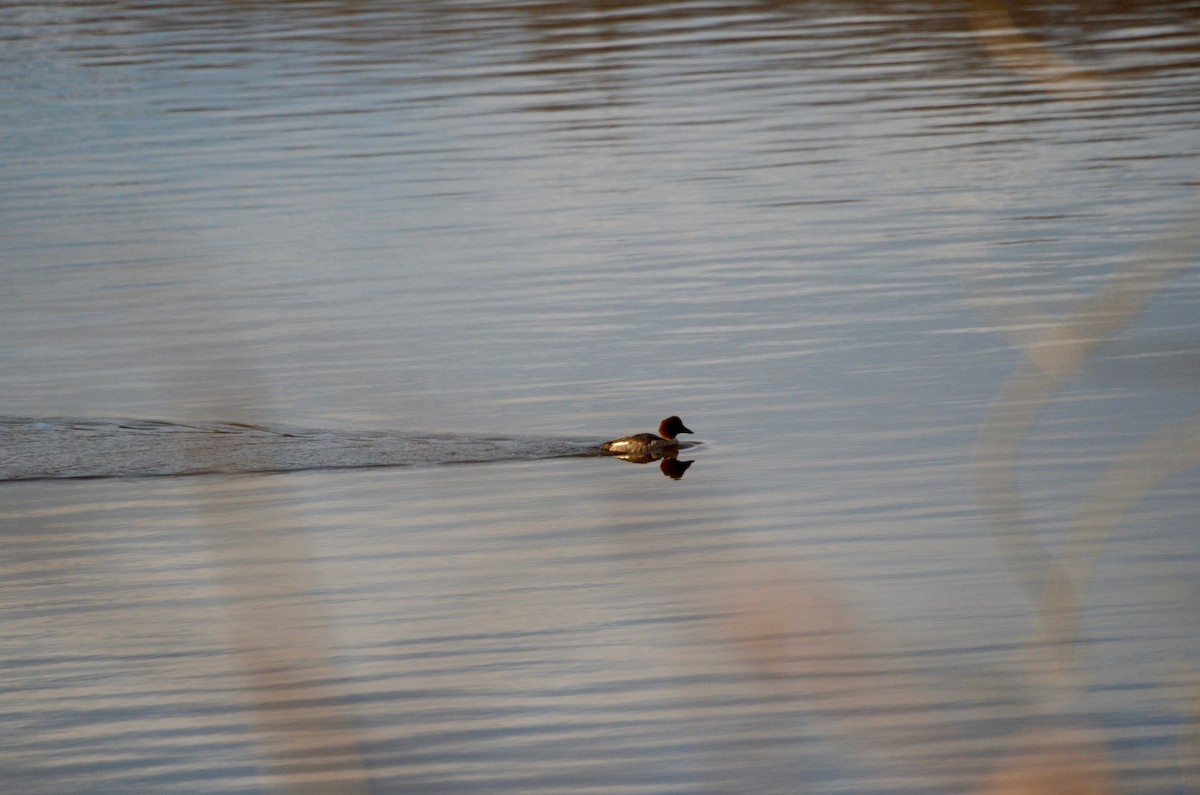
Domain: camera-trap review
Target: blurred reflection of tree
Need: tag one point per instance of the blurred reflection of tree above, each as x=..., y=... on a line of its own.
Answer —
x=1056, y=587
x=1011, y=47
x=804, y=637
x=305, y=731
x=1051, y=360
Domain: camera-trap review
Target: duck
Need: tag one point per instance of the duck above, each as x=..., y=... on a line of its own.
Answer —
x=649, y=444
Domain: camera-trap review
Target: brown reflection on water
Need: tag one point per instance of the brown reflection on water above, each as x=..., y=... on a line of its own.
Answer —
x=283, y=642
x=1051, y=361
x=1056, y=586
x=304, y=730
x=809, y=645
x=1012, y=47
x=1062, y=762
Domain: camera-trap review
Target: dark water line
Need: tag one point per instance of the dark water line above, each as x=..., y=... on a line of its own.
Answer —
x=52, y=448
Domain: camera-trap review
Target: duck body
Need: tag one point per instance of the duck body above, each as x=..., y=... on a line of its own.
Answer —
x=649, y=444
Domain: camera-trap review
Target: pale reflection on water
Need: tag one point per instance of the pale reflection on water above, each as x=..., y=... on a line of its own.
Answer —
x=921, y=277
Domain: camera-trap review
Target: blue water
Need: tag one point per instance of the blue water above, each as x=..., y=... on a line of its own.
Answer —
x=924, y=286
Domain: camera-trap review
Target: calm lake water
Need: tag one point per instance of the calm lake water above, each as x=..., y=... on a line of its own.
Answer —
x=921, y=276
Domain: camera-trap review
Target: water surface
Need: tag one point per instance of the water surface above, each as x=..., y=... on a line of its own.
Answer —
x=922, y=276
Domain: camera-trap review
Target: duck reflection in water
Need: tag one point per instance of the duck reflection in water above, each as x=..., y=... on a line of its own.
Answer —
x=668, y=464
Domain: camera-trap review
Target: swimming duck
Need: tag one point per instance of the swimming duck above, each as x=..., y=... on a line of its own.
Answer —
x=649, y=444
